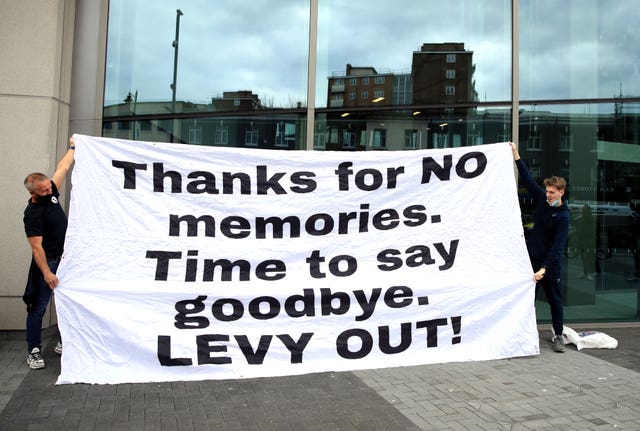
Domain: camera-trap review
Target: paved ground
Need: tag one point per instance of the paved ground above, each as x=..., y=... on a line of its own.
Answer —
x=594, y=389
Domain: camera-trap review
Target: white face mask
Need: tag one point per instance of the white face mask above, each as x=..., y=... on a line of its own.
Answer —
x=555, y=203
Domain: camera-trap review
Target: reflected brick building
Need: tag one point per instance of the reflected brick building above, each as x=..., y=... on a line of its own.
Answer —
x=360, y=86
x=442, y=73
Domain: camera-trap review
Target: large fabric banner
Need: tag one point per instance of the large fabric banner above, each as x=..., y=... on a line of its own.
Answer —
x=188, y=263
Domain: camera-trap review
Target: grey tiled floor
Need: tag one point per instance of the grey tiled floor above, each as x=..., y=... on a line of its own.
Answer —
x=586, y=390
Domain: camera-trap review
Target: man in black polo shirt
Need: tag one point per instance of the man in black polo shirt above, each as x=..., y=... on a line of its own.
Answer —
x=45, y=224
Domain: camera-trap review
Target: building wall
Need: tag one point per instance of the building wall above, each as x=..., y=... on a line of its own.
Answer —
x=36, y=37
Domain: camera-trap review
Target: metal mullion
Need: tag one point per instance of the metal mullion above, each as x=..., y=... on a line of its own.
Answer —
x=311, y=74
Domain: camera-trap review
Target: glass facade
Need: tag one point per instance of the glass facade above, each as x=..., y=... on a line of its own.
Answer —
x=579, y=50
x=595, y=148
x=356, y=75
x=229, y=72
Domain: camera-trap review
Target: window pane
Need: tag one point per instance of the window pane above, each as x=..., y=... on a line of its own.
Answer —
x=284, y=131
x=595, y=148
x=363, y=130
x=416, y=42
x=233, y=56
x=573, y=49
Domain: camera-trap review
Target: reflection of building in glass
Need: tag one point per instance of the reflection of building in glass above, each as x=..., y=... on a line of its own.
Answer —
x=442, y=73
x=602, y=167
x=360, y=86
x=402, y=89
x=141, y=121
x=589, y=150
x=237, y=101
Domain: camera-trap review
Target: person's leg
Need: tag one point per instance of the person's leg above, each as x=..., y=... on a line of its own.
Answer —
x=552, y=290
x=36, y=313
x=588, y=262
x=34, y=327
x=34, y=317
x=58, y=348
x=591, y=263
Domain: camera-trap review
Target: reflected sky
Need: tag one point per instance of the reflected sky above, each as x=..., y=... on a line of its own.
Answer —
x=225, y=45
x=567, y=50
x=384, y=34
x=579, y=49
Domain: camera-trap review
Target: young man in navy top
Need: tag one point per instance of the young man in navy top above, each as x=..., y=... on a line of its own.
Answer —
x=547, y=240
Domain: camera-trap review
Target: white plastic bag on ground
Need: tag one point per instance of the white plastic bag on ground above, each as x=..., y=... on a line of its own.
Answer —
x=587, y=339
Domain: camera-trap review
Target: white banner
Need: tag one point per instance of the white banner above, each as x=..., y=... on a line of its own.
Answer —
x=187, y=263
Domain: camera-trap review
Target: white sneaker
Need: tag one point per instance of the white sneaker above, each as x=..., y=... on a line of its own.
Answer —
x=34, y=360
x=58, y=349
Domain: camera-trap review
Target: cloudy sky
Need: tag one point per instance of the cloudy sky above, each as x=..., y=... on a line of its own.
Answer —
x=567, y=51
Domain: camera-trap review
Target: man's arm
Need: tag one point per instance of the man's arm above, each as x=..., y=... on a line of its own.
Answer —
x=534, y=189
x=64, y=164
x=40, y=259
x=514, y=150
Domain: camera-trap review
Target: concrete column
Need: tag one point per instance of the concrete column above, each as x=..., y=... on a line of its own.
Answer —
x=36, y=42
